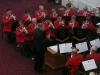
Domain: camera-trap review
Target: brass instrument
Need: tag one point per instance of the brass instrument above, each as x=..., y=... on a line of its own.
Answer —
x=92, y=73
x=62, y=23
x=85, y=25
x=13, y=17
x=50, y=23
x=24, y=30
x=29, y=18
x=72, y=25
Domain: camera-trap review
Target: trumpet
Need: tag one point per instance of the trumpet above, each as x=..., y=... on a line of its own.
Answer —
x=52, y=25
x=85, y=25
x=62, y=23
x=72, y=25
x=29, y=18
x=24, y=30
x=13, y=17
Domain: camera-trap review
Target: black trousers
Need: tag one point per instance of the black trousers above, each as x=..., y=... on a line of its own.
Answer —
x=9, y=36
x=66, y=71
x=39, y=60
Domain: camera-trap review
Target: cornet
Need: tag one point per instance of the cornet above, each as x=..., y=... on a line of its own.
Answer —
x=29, y=18
x=62, y=23
x=24, y=29
x=72, y=25
x=13, y=17
x=85, y=25
x=52, y=25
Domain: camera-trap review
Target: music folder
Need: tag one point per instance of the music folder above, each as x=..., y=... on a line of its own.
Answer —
x=65, y=48
x=89, y=64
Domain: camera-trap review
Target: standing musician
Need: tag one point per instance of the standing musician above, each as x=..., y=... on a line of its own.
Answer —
x=27, y=17
x=49, y=27
x=53, y=14
x=22, y=37
x=41, y=13
x=88, y=24
x=68, y=11
x=73, y=24
x=98, y=29
x=60, y=23
x=31, y=27
x=85, y=12
x=8, y=19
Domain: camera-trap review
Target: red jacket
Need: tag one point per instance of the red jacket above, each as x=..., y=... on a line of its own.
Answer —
x=58, y=26
x=87, y=14
x=71, y=12
x=20, y=35
x=76, y=25
x=53, y=16
x=48, y=30
x=94, y=55
x=74, y=62
x=38, y=15
x=7, y=22
x=89, y=26
x=31, y=31
x=24, y=18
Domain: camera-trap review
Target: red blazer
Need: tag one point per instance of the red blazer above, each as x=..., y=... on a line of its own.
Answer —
x=90, y=26
x=7, y=22
x=76, y=25
x=94, y=55
x=24, y=18
x=58, y=26
x=52, y=15
x=20, y=35
x=87, y=14
x=38, y=14
x=71, y=12
x=74, y=62
x=48, y=30
x=31, y=31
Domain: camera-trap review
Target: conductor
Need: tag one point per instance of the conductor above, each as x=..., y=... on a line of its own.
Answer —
x=40, y=42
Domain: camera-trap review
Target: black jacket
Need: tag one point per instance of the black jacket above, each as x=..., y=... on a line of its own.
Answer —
x=40, y=41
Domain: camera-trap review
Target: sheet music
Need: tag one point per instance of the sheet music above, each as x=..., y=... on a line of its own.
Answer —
x=65, y=48
x=95, y=42
x=82, y=47
x=54, y=48
x=89, y=64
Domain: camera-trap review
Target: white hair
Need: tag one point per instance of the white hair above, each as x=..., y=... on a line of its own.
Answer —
x=34, y=19
x=41, y=6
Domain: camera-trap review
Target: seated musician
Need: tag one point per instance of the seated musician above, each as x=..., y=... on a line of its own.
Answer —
x=73, y=24
x=73, y=62
x=53, y=14
x=96, y=10
x=41, y=13
x=27, y=17
x=22, y=37
x=60, y=23
x=68, y=11
x=49, y=27
x=85, y=12
x=8, y=19
x=93, y=54
x=87, y=24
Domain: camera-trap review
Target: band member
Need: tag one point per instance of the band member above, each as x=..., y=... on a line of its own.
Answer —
x=41, y=13
x=85, y=12
x=40, y=42
x=31, y=27
x=73, y=24
x=96, y=10
x=88, y=24
x=60, y=23
x=98, y=29
x=22, y=37
x=8, y=19
x=73, y=62
x=68, y=11
x=93, y=54
x=27, y=17
x=53, y=14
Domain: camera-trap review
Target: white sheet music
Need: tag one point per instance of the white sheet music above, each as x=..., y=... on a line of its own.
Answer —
x=54, y=48
x=65, y=48
x=89, y=64
x=82, y=47
x=95, y=42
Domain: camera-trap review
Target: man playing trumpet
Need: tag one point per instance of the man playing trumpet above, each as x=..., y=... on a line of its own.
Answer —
x=60, y=23
x=49, y=27
x=87, y=24
x=72, y=24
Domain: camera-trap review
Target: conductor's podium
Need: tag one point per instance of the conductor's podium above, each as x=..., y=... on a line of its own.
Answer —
x=54, y=60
